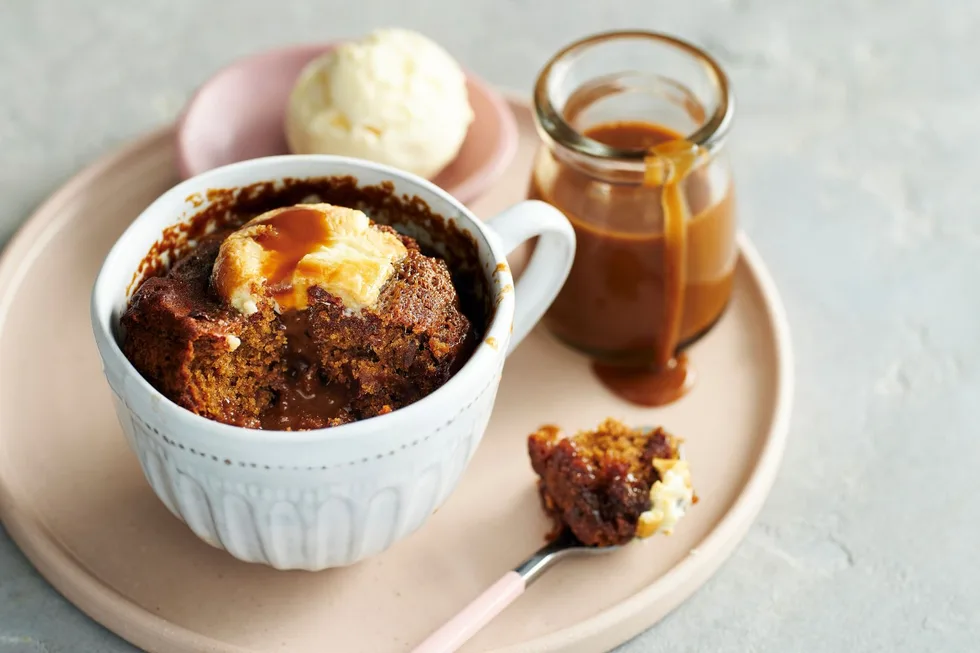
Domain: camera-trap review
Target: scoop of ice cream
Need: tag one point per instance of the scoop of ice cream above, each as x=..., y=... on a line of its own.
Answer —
x=277, y=256
x=394, y=97
x=670, y=498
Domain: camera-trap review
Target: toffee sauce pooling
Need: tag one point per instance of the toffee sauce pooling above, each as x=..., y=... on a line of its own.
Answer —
x=654, y=262
x=307, y=394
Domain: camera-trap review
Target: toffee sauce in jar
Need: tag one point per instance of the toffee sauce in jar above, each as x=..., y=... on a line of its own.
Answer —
x=656, y=249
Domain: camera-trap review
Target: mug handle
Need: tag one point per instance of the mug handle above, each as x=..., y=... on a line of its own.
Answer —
x=548, y=266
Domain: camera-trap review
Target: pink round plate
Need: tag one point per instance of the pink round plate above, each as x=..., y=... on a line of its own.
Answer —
x=73, y=497
x=238, y=114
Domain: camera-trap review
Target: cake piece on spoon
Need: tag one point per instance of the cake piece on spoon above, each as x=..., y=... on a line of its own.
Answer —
x=613, y=484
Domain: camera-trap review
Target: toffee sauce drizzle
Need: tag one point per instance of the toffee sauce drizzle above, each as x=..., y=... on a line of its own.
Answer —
x=306, y=394
x=671, y=158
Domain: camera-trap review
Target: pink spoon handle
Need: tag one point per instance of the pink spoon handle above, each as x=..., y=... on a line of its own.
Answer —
x=474, y=616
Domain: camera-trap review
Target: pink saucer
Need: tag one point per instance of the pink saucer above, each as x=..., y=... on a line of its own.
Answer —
x=238, y=113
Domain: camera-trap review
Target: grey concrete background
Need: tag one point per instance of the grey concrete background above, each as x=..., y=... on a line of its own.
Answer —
x=859, y=174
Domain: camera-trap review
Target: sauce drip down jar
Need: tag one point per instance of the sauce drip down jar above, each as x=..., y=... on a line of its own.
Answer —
x=634, y=127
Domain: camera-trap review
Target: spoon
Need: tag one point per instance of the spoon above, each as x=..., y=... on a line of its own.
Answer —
x=498, y=596
x=481, y=610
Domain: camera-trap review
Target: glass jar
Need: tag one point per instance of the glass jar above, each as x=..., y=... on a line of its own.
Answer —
x=633, y=127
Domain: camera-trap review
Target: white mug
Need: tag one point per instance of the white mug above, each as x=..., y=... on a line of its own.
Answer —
x=327, y=497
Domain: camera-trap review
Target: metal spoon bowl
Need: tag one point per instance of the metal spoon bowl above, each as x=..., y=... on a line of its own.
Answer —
x=564, y=546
